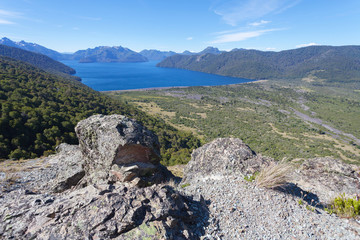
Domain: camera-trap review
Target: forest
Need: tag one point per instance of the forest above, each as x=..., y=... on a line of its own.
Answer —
x=39, y=110
x=315, y=62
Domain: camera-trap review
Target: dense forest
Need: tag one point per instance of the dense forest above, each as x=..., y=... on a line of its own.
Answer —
x=38, y=60
x=315, y=62
x=39, y=110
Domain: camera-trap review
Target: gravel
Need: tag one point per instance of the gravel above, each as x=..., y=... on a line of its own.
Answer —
x=240, y=210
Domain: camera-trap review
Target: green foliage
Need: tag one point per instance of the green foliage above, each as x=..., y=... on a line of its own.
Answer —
x=344, y=207
x=185, y=185
x=262, y=115
x=38, y=60
x=318, y=62
x=39, y=110
x=251, y=177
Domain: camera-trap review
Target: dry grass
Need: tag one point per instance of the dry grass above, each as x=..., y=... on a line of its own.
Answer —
x=274, y=175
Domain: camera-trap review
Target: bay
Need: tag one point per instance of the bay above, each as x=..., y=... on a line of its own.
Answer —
x=126, y=76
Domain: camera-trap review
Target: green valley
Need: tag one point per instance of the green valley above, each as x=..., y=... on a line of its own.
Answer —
x=281, y=119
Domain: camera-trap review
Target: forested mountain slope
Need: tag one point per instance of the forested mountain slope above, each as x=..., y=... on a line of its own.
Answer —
x=38, y=60
x=39, y=111
x=315, y=62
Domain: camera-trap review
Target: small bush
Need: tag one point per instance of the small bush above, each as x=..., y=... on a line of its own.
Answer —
x=274, y=175
x=344, y=207
x=251, y=177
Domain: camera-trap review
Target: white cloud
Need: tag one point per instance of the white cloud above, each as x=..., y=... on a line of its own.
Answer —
x=5, y=13
x=8, y=14
x=306, y=45
x=76, y=28
x=6, y=22
x=240, y=36
x=234, y=11
x=189, y=38
x=262, y=22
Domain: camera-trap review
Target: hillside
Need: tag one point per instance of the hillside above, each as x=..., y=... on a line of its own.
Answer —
x=108, y=54
x=39, y=111
x=315, y=62
x=156, y=55
x=38, y=60
x=32, y=47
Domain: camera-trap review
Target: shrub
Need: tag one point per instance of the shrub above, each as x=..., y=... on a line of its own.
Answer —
x=274, y=175
x=344, y=207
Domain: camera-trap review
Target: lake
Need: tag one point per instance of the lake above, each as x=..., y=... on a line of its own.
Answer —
x=124, y=76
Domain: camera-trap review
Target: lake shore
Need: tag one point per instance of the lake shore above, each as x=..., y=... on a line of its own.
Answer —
x=164, y=88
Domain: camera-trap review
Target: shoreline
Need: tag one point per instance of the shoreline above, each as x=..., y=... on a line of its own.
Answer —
x=164, y=88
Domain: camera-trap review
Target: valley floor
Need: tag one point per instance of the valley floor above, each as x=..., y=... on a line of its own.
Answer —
x=280, y=119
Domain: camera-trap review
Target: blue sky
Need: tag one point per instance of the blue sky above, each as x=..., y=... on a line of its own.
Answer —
x=178, y=25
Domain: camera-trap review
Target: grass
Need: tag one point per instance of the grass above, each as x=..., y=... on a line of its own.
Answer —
x=274, y=175
x=263, y=115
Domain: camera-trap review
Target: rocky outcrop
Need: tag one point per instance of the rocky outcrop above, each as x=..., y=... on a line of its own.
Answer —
x=238, y=209
x=327, y=178
x=109, y=187
x=116, y=148
x=101, y=212
x=223, y=157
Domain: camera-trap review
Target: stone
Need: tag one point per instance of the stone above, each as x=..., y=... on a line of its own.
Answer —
x=327, y=178
x=221, y=157
x=115, y=139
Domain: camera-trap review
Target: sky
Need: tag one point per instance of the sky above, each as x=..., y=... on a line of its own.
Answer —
x=178, y=25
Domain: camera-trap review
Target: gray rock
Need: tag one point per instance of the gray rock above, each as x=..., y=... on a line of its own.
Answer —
x=69, y=162
x=222, y=157
x=121, y=212
x=327, y=178
x=115, y=139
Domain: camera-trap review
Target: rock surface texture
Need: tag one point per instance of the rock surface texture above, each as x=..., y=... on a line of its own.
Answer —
x=119, y=144
x=109, y=187
x=240, y=210
x=112, y=186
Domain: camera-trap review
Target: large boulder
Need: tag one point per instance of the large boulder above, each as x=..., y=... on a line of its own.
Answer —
x=221, y=157
x=116, y=148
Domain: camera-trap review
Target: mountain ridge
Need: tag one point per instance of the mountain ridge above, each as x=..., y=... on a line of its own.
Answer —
x=318, y=62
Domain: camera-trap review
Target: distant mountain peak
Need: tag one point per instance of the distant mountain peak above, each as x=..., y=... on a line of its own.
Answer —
x=32, y=47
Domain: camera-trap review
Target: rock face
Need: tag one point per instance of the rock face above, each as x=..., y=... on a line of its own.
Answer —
x=102, y=189
x=328, y=178
x=222, y=157
x=119, y=144
x=101, y=212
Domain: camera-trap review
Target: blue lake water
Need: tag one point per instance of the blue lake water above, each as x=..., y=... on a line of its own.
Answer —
x=124, y=76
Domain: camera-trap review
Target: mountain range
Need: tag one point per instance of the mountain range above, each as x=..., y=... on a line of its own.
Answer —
x=102, y=53
x=38, y=60
x=32, y=47
x=314, y=62
x=108, y=54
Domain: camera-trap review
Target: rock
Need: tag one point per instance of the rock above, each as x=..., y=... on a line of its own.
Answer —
x=221, y=157
x=69, y=162
x=123, y=212
x=114, y=140
x=327, y=178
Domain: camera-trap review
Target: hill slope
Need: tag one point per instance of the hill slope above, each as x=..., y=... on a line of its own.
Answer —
x=324, y=62
x=32, y=47
x=35, y=59
x=108, y=54
x=39, y=110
